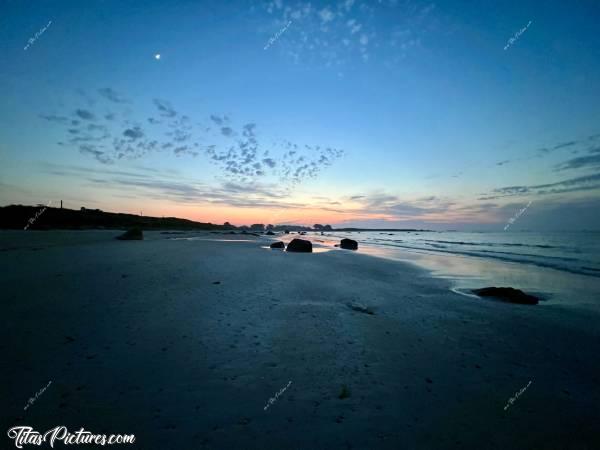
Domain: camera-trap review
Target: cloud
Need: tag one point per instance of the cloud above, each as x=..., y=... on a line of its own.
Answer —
x=342, y=31
x=394, y=207
x=580, y=162
x=164, y=185
x=111, y=95
x=84, y=114
x=217, y=120
x=165, y=109
x=133, y=133
x=581, y=142
x=564, y=144
x=583, y=183
x=235, y=150
x=243, y=157
x=94, y=151
x=270, y=162
x=326, y=15
x=227, y=131
x=249, y=130
x=184, y=149
x=56, y=119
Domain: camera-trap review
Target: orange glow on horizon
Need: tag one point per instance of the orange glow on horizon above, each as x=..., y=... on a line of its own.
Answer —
x=307, y=216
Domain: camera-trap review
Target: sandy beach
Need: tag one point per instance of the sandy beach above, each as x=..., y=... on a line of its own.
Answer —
x=183, y=342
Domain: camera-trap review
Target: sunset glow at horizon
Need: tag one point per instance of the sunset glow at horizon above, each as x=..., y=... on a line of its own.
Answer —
x=360, y=114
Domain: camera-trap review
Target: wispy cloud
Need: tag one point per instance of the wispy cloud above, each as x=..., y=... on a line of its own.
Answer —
x=162, y=185
x=111, y=95
x=588, y=162
x=583, y=183
x=84, y=114
x=584, y=144
x=164, y=107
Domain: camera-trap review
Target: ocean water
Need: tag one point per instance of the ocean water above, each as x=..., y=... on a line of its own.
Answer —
x=560, y=267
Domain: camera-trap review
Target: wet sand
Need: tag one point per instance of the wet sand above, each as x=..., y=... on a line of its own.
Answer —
x=138, y=337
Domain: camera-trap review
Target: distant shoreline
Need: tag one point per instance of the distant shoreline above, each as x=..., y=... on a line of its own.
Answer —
x=15, y=217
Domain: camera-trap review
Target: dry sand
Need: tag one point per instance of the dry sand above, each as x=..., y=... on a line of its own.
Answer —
x=136, y=337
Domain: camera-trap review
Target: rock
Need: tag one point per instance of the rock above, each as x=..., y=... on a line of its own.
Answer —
x=344, y=392
x=287, y=231
x=349, y=244
x=361, y=308
x=300, y=245
x=133, y=234
x=507, y=294
x=278, y=244
x=270, y=233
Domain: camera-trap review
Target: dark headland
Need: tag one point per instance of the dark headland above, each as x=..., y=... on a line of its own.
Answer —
x=17, y=217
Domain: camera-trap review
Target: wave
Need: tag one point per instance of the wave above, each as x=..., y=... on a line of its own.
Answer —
x=495, y=244
x=547, y=262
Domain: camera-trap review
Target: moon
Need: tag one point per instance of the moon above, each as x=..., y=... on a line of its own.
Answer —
x=157, y=56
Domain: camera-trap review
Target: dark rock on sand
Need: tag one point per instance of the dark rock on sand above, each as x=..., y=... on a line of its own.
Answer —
x=344, y=392
x=507, y=294
x=133, y=234
x=278, y=244
x=300, y=245
x=349, y=244
x=360, y=308
x=287, y=231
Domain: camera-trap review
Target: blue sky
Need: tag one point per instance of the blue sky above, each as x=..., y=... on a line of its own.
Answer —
x=382, y=113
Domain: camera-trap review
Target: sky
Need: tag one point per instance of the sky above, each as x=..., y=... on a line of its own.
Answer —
x=390, y=113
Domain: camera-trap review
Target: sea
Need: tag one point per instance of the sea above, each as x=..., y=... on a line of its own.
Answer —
x=560, y=267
